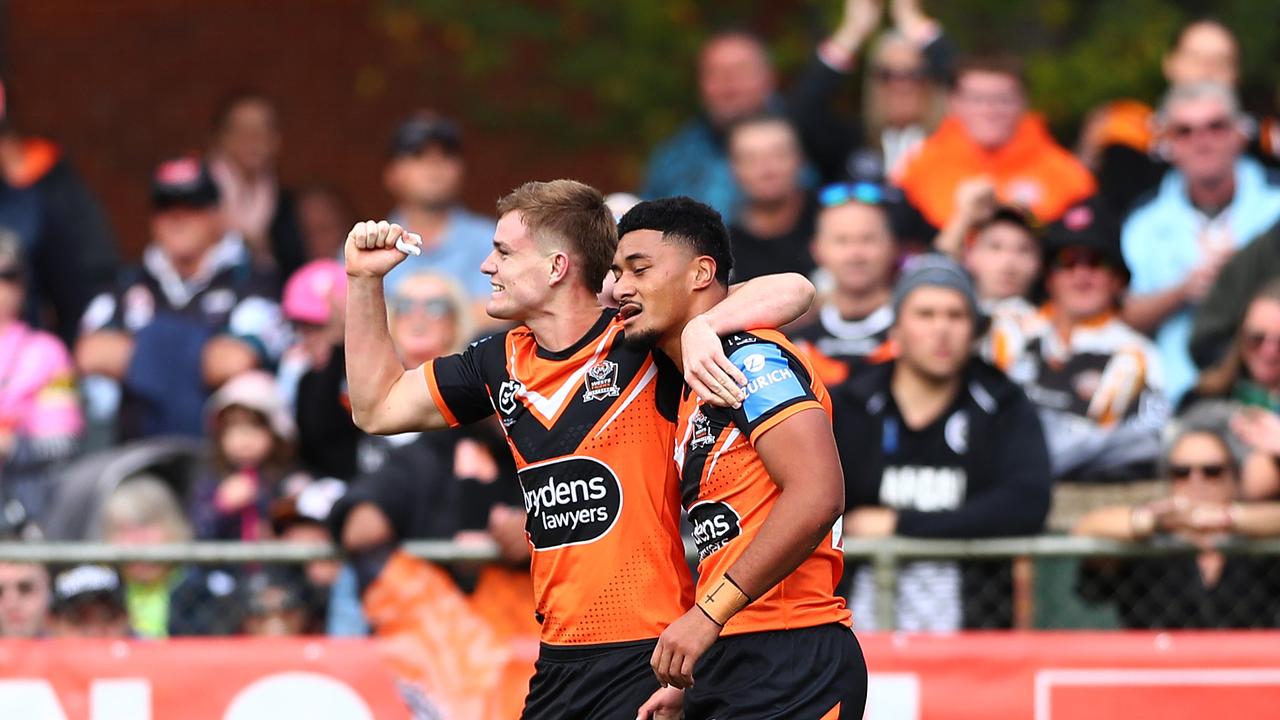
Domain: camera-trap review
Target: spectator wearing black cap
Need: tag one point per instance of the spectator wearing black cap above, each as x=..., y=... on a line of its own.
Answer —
x=69, y=248
x=1097, y=381
x=853, y=245
x=939, y=444
x=243, y=162
x=193, y=314
x=88, y=601
x=40, y=417
x=425, y=176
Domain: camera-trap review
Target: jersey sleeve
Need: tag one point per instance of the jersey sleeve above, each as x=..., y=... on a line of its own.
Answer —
x=777, y=386
x=457, y=384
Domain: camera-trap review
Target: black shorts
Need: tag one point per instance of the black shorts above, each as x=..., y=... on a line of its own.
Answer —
x=599, y=682
x=785, y=674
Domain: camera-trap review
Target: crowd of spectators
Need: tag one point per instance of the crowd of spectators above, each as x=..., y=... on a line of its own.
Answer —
x=998, y=316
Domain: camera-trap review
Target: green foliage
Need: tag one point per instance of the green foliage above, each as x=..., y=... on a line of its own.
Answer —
x=585, y=73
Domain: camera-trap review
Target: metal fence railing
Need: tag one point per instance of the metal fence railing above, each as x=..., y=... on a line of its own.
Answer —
x=1033, y=582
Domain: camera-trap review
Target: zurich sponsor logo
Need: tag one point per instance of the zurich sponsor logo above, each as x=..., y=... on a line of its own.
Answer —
x=770, y=380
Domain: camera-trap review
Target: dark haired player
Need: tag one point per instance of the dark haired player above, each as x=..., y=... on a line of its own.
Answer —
x=762, y=483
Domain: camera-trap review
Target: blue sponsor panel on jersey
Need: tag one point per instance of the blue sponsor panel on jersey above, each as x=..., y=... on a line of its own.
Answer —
x=771, y=382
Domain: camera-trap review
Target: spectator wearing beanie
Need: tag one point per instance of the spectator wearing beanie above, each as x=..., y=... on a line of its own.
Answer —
x=938, y=444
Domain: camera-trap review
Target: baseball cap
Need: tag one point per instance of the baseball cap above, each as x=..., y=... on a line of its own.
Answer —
x=937, y=270
x=183, y=181
x=425, y=128
x=84, y=584
x=310, y=293
x=1089, y=225
x=256, y=391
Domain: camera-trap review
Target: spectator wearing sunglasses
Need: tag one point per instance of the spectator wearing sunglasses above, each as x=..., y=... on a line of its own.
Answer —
x=854, y=245
x=1243, y=390
x=1207, y=589
x=1096, y=381
x=771, y=233
x=425, y=323
x=904, y=92
x=24, y=600
x=1213, y=202
x=1119, y=142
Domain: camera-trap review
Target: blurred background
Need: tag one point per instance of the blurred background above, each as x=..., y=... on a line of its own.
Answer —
x=561, y=88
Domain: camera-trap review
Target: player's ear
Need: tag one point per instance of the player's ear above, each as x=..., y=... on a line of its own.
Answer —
x=704, y=272
x=558, y=269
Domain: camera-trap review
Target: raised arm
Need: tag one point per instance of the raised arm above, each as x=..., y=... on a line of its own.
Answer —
x=385, y=398
x=769, y=301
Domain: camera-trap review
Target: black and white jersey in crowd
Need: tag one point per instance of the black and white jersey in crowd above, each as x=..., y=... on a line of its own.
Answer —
x=979, y=469
x=226, y=295
x=1100, y=393
x=850, y=343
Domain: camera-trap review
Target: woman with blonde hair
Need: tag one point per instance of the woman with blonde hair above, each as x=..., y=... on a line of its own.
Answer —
x=164, y=600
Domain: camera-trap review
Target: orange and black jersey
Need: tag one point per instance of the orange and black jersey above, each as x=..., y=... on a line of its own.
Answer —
x=590, y=428
x=728, y=492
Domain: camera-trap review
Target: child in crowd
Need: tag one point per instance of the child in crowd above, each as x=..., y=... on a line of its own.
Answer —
x=251, y=460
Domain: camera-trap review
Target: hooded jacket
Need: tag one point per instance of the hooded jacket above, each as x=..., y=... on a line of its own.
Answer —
x=1031, y=170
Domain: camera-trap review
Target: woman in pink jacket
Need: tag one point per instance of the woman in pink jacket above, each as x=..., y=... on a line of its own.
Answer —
x=40, y=417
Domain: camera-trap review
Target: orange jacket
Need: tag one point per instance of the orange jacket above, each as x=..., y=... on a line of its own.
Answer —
x=1030, y=170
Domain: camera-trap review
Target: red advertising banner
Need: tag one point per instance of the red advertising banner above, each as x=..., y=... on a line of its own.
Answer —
x=207, y=679
x=1073, y=676
x=1037, y=676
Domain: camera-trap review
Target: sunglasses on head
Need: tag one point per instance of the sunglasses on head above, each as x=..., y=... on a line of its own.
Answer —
x=432, y=307
x=1182, y=131
x=1080, y=257
x=888, y=74
x=22, y=588
x=1212, y=471
x=840, y=193
x=1253, y=341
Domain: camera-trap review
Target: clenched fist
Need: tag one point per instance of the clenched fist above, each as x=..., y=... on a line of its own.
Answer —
x=371, y=249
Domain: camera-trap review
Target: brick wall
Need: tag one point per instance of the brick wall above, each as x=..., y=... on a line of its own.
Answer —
x=123, y=83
